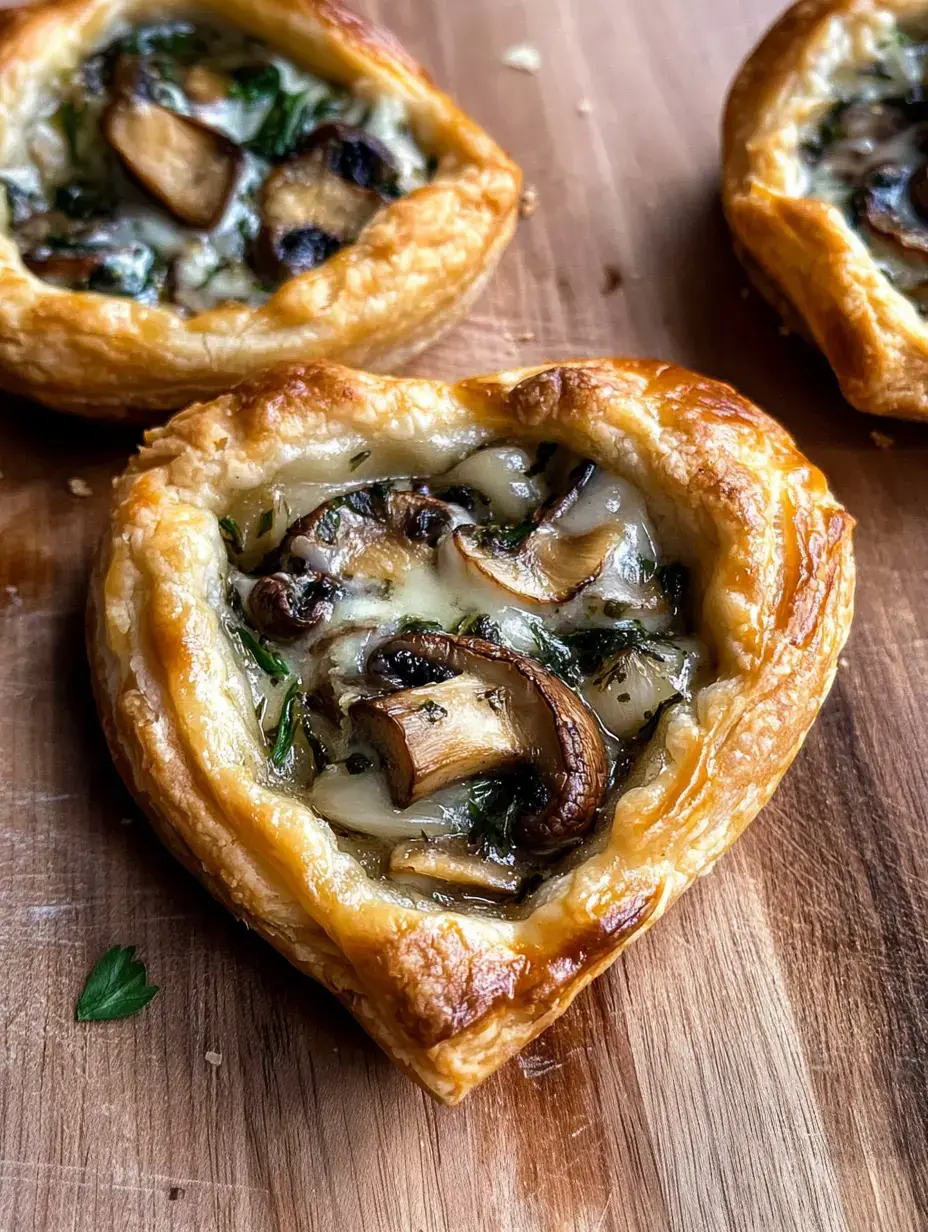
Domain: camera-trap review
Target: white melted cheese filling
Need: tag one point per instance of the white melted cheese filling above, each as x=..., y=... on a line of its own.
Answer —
x=625, y=693
x=195, y=270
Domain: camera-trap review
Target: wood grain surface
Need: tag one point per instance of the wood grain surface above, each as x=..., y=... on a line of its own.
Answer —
x=759, y=1060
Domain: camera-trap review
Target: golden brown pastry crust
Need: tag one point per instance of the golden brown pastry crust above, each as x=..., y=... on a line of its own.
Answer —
x=450, y=996
x=801, y=253
x=412, y=273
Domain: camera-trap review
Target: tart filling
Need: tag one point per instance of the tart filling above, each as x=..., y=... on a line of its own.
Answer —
x=190, y=165
x=462, y=672
x=868, y=155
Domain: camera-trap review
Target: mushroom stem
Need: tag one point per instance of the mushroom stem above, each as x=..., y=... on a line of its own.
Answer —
x=424, y=859
x=440, y=734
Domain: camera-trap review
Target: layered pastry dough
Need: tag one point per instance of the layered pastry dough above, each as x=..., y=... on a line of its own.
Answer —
x=196, y=192
x=824, y=166
x=255, y=536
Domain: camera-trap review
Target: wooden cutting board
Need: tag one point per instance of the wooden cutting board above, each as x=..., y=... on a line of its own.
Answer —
x=759, y=1060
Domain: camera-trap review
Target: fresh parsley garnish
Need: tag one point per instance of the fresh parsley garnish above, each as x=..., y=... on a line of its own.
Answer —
x=478, y=624
x=416, y=624
x=266, y=659
x=232, y=533
x=502, y=537
x=358, y=458
x=593, y=648
x=282, y=127
x=286, y=725
x=254, y=83
x=266, y=522
x=117, y=987
x=553, y=652
x=494, y=805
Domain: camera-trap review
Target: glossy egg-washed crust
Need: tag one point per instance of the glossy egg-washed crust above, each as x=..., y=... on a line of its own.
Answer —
x=411, y=274
x=451, y=996
x=800, y=252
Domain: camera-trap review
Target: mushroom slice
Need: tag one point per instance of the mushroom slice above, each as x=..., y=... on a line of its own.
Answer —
x=320, y=201
x=519, y=712
x=439, y=734
x=537, y=561
x=373, y=532
x=884, y=208
x=459, y=868
x=190, y=168
x=284, y=606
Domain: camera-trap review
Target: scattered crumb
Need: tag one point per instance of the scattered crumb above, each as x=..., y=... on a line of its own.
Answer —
x=783, y=331
x=745, y=292
x=214, y=1058
x=537, y=1067
x=584, y=107
x=612, y=279
x=11, y=597
x=175, y=1192
x=882, y=441
x=79, y=487
x=523, y=57
x=528, y=203
x=842, y=662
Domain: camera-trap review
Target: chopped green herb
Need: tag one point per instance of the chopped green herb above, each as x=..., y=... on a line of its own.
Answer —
x=357, y=763
x=266, y=659
x=554, y=652
x=494, y=805
x=543, y=455
x=478, y=624
x=499, y=537
x=70, y=120
x=255, y=83
x=358, y=458
x=232, y=533
x=415, y=624
x=593, y=648
x=266, y=522
x=282, y=127
x=286, y=725
x=117, y=987
x=432, y=711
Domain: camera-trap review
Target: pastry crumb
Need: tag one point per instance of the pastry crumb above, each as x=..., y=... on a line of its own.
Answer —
x=842, y=662
x=584, y=107
x=79, y=487
x=11, y=597
x=213, y=1058
x=528, y=203
x=523, y=57
x=882, y=441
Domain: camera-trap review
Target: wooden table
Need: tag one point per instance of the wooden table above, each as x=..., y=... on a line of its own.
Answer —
x=759, y=1060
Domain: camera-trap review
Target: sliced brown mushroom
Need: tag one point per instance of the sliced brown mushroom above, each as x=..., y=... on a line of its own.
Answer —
x=191, y=169
x=284, y=606
x=373, y=532
x=314, y=204
x=887, y=201
x=536, y=562
x=456, y=867
x=502, y=708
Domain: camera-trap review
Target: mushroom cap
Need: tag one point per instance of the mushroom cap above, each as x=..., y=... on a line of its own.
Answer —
x=557, y=732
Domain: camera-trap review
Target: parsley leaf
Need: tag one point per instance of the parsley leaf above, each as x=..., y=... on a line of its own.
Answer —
x=478, y=624
x=500, y=537
x=117, y=987
x=432, y=711
x=674, y=582
x=266, y=659
x=255, y=83
x=553, y=652
x=266, y=522
x=232, y=533
x=286, y=726
x=416, y=624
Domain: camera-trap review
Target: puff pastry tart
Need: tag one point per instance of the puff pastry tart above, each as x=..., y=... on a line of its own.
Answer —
x=826, y=188
x=450, y=690
x=194, y=194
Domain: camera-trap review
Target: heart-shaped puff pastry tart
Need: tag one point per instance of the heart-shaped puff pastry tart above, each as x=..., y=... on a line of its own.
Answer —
x=450, y=690
x=194, y=193
x=825, y=186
